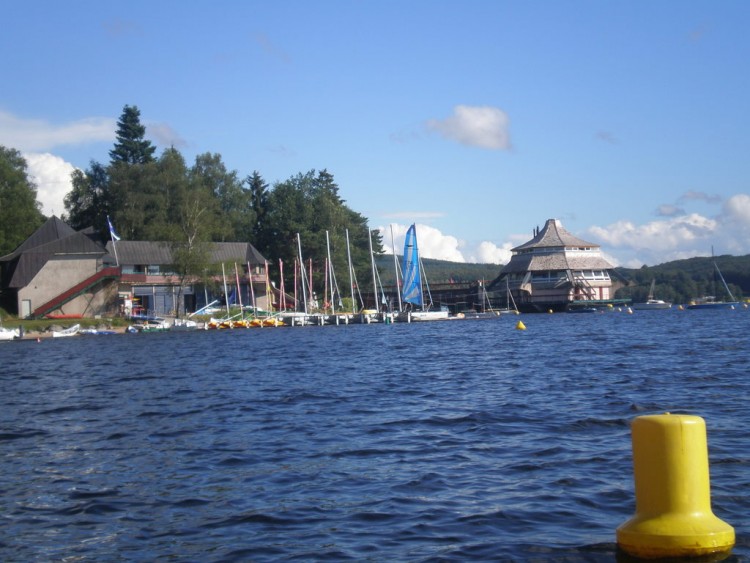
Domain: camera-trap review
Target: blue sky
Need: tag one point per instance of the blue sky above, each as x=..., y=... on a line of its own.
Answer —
x=627, y=121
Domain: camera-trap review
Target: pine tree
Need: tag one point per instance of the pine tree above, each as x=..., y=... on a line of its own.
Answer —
x=131, y=146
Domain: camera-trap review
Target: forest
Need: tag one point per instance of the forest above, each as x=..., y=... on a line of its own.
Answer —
x=150, y=197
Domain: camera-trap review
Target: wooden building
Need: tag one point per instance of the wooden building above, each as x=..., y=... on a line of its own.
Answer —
x=557, y=271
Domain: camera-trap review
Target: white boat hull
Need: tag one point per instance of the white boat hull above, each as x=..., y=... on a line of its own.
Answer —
x=651, y=304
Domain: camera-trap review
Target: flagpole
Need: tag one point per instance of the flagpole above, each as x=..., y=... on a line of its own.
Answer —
x=114, y=239
x=114, y=247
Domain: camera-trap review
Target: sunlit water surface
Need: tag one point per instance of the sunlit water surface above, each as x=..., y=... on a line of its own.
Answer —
x=449, y=441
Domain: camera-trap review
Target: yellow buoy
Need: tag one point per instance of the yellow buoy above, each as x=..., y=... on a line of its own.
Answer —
x=673, y=516
x=549, y=311
x=520, y=325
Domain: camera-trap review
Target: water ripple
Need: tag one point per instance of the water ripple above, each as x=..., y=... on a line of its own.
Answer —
x=423, y=442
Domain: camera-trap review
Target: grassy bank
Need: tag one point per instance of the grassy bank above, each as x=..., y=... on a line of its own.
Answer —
x=45, y=325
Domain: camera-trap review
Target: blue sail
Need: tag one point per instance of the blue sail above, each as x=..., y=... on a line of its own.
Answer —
x=412, y=290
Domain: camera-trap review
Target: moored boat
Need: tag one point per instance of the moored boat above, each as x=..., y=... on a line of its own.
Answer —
x=151, y=325
x=710, y=301
x=9, y=334
x=412, y=296
x=651, y=303
x=70, y=331
x=184, y=324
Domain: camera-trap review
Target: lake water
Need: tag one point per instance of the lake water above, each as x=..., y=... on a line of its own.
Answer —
x=445, y=441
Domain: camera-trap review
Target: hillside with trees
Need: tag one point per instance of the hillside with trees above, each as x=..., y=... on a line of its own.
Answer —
x=682, y=280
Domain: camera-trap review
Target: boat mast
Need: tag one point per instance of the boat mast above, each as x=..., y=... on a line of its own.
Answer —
x=426, y=284
x=239, y=291
x=395, y=267
x=372, y=263
x=351, y=270
x=302, y=272
x=226, y=295
x=252, y=289
x=726, y=287
x=330, y=268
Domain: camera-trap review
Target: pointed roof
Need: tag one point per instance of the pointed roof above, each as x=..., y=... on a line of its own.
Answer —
x=547, y=251
x=53, y=229
x=553, y=235
x=55, y=237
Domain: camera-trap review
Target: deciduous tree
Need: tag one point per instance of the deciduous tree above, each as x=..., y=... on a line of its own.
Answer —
x=20, y=212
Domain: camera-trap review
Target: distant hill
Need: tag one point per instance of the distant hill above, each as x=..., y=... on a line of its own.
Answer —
x=441, y=271
x=682, y=280
x=678, y=281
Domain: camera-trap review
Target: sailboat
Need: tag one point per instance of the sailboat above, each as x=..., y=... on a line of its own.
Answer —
x=709, y=301
x=411, y=293
x=652, y=303
x=509, y=301
x=486, y=312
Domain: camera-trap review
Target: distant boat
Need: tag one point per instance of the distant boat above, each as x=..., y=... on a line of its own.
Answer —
x=9, y=334
x=710, y=301
x=152, y=324
x=651, y=303
x=508, y=301
x=411, y=293
x=70, y=331
x=184, y=324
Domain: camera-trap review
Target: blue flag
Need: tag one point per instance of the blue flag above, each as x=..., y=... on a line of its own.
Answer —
x=112, y=230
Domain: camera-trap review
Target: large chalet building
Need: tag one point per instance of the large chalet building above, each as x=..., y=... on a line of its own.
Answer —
x=557, y=271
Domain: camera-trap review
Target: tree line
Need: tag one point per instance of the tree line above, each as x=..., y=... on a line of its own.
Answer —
x=680, y=281
x=162, y=198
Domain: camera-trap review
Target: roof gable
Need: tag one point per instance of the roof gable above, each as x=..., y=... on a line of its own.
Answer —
x=554, y=235
x=52, y=230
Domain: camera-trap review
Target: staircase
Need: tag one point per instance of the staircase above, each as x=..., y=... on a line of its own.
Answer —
x=75, y=291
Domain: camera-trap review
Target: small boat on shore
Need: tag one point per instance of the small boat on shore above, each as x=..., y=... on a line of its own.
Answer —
x=70, y=331
x=151, y=325
x=9, y=334
x=184, y=324
x=97, y=331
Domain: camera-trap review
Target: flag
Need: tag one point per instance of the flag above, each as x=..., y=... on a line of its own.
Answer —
x=112, y=230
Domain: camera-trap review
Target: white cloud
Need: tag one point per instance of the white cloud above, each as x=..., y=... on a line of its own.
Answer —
x=489, y=253
x=34, y=135
x=439, y=246
x=432, y=243
x=477, y=126
x=679, y=237
x=737, y=210
x=51, y=174
x=163, y=134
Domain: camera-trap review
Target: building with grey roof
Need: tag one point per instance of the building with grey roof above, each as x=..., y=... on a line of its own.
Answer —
x=555, y=271
x=61, y=272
